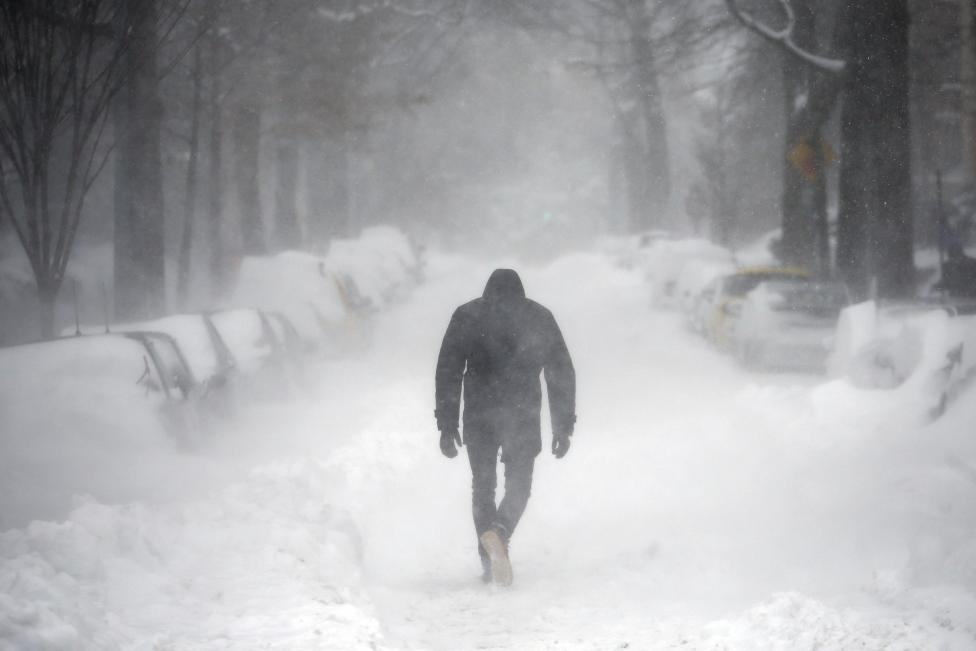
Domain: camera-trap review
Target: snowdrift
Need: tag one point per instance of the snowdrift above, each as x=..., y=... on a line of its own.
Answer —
x=120, y=577
x=925, y=354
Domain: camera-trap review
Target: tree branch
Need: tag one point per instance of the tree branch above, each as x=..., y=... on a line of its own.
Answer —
x=783, y=38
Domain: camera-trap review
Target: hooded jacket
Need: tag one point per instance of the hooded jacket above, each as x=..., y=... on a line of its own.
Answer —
x=496, y=347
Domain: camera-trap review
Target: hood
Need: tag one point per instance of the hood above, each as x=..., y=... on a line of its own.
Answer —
x=504, y=285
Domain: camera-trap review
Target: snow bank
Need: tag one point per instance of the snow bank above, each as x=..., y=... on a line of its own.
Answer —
x=922, y=354
x=198, y=576
x=794, y=622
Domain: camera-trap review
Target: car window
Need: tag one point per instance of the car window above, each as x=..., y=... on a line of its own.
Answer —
x=738, y=285
x=177, y=375
x=808, y=296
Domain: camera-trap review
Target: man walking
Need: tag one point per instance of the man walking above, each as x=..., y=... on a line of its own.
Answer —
x=496, y=347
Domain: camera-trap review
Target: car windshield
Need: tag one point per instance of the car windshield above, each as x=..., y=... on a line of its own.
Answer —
x=740, y=284
x=808, y=296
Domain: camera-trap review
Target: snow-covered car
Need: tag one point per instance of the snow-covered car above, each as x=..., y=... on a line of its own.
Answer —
x=205, y=351
x=922, y=349
x=693, y=286
x=297, y=285
x=202, y=348
x=722, y=305
x=664, y=262
x=286, y=334
x=789, y=323
x=199, y=342
x=144, y=369
x=176, y=378
x=90, y=414
x=629, y=250
x=264, y=348
x=250, y=337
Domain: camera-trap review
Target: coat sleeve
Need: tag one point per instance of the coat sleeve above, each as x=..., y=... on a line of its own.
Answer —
x=560, y=381
x=450, y=371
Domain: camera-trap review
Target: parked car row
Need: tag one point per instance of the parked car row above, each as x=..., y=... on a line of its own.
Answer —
x=766, y=315
x=193, y=368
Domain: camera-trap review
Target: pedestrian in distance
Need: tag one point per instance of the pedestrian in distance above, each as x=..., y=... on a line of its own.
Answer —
x=494, y=351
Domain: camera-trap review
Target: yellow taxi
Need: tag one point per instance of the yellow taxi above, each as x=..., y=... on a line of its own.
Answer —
x=723, y=298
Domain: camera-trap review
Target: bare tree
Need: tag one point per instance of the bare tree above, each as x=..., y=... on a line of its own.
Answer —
x=59, y=71
x=635, y=44
x=875, y=225
x=811, y=86
x=875, y=233
x=967, y=61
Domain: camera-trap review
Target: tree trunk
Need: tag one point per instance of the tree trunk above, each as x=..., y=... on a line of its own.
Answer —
x=875, y=236
x=190, y=198
x=656, y=188
x=47, y=295
x=246, y=127
x=342, y=195
x=319, y=227
x=635, y=177
x=215, y=178
x=804, y=169
x=139, y=269
x=287, y=230
x=967, y=78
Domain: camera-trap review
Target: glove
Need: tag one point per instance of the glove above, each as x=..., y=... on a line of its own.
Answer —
x=560, y=444
x=448, y=440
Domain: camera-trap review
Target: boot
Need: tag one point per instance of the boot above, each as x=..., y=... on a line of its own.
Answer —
x=485, y=563
x=501, y=567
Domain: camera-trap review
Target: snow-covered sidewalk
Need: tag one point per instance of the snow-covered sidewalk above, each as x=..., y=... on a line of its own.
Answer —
x=700, y=507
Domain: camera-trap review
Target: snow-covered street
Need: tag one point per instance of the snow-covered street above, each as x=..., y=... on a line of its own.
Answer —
x=700, y=507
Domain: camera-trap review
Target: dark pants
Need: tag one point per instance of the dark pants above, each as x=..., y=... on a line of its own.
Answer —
x=483, y=455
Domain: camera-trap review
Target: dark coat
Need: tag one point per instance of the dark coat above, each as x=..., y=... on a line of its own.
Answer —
x=497, y=346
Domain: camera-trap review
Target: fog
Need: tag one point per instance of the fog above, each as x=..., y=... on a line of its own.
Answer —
x=253, y=372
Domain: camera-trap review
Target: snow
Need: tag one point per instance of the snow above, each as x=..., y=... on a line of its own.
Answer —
x=70, y=409
x=700, y=507
x=380, y=261
x=243, y=330
x=759, y=253
x=920, y=353
x=664, y=263
x=295, y=284
x=309, y=290
x=187, y=577
x=189, y=331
